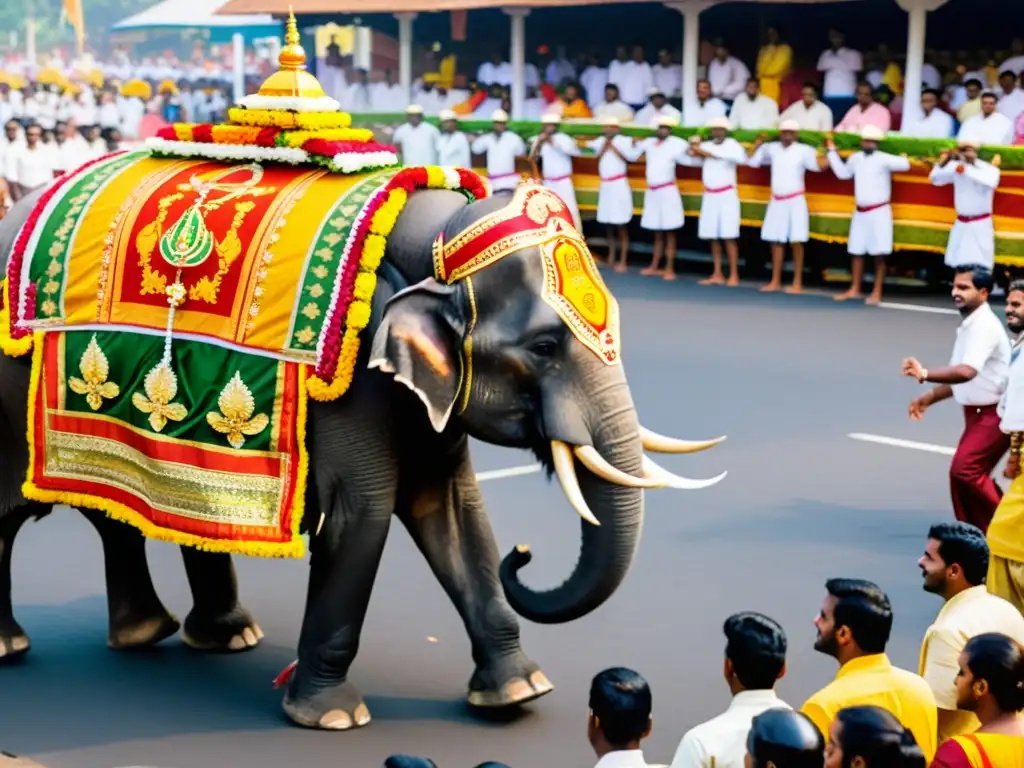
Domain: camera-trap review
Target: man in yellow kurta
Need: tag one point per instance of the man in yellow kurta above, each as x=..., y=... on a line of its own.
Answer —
x=1006, y=531
x=774, y=63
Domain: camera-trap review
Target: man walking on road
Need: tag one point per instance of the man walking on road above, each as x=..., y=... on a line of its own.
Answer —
x=976, y=378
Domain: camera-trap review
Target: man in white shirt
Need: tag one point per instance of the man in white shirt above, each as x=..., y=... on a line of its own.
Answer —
x=668, y=76
x=359, y=98
x=74, y=151
x=809, y=113
x=954, y=567
x=619, y=718
x=752, y=110
x=495, y=71
x=656, y=107
x=972, y=238
x=720, y=206
x=787, y=219
x=705, y=109
x=555, y=151
x=613, y=106
x=31, y=166
x=1011, y=104
x=1016, y=62
x=755, y=660
x=726, y=73
x=593, y=79
x=841, y=66
x=976, y=378
x=663, y=206
x=501, y=148
x=990, y=128
x=634, y=79
x=559, y=70
x=452, y=144
x=934, y=123
x=615, y=197
x=871, y=226
x=416, y=139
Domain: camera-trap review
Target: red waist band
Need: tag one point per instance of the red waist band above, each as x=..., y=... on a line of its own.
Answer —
x=656, y=187
x=792, y=196
x=556, y=178
x=503, y=176
x=969, y=219
x=869, y=208
x=615, y=178
x=716, y=190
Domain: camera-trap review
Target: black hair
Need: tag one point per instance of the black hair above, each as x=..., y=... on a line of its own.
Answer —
x=999, y=661
x=866, y=84
x=809, y=84
x=784, y=737
x=973, y=81
x=756, y=80
x=491, y=764
x=989, y=95
x=756, y=646
x=877, y=737
x=611, y=85
x=620, y=699
x=981, y=276
x=865, y=609
x=1015, y=285
x=1007, y=73
x=933, y=92
x=965, y=545
x=408, y=761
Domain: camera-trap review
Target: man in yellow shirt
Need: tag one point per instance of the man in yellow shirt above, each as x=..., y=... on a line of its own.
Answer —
x=853, y=627
x=774, y=63
x=954, y=565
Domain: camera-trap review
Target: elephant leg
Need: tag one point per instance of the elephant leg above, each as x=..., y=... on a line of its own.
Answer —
x=14, y=643
x=217, y=621
x=446, y=516
x=137, y=617
x=343, y=565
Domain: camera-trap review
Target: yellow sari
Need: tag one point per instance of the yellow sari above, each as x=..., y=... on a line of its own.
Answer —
x=774, y=63
x=981, y=750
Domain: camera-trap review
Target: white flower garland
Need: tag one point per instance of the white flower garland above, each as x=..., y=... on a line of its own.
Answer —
x=228, y=152
x=352, y=162
x=290, y=103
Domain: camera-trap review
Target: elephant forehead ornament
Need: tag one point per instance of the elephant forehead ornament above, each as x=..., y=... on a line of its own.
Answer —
x=537, y=217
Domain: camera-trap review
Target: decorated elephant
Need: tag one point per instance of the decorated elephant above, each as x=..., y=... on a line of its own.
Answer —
x=163, y=401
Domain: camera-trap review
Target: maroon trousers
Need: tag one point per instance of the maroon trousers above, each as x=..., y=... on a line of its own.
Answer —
x=982, y=446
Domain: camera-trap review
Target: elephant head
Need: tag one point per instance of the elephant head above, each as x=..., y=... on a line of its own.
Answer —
x=515, y=341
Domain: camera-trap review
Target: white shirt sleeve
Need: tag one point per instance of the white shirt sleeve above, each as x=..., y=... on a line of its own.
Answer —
x=760, y=157
x=827, y=61
x=839, y=168
x=690, y=753
x=1012, y=405
x=986, y=175
x=981, y=342
x=811, y=159
x=482, y=143
x=566, y=145
x=943, y=175
x=897, y=163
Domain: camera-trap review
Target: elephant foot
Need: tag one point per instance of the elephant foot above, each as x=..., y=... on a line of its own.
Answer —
x=14, y=643
x=229, y=632
x=507, y=682
x=140, y=633
x=340, y=708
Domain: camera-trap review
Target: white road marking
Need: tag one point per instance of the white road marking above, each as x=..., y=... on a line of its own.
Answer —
x=896, y=442
x=498, y=474
x=917, y=308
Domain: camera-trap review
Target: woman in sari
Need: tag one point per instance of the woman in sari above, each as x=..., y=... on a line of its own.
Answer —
x=990, y=684
x=774, y=63
x=871, y=737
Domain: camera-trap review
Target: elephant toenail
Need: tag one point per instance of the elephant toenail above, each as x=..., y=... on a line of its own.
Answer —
x=518, y=689
x=237, y=643
x=249, y=637
x=258, y=631
x=19, y=643
x=362, y=715
x=336, y=720
x=540, y=681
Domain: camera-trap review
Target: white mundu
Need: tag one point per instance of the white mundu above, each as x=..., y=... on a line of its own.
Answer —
x=614, y=198
x=663, y=205
x=787, y=219
x=501, y=151
x=972, y=239
x=453, y=150
x=556, y=157
x=720, y=205
x=871, y=226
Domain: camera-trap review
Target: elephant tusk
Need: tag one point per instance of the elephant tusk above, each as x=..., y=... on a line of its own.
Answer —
x=675, y=481
x=566, y=470
x=596, y=463
x=652, y=441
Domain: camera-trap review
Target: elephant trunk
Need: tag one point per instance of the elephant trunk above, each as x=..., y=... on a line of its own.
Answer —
x=607, y=548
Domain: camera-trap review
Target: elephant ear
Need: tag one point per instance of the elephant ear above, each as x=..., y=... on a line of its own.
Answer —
x=418, y=341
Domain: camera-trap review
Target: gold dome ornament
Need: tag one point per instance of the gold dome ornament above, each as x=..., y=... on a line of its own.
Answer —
x=291, y=79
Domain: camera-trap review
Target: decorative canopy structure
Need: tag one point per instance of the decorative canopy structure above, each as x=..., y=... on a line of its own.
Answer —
x=425, y=6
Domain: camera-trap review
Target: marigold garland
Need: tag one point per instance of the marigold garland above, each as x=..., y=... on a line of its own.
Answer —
x=279, y=118
x=351, y=308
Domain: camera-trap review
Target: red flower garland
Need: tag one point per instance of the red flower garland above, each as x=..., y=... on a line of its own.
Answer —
x=21, y=243
x=332, y=148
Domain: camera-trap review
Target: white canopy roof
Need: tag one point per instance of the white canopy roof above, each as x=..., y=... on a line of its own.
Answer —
x=197, y=14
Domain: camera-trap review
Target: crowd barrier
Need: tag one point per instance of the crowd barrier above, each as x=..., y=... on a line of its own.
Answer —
x=923, y=214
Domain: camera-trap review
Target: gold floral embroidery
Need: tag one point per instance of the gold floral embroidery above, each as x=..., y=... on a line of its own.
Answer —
x=161, y=387
x=316, y=290
x=305, y=336
x=311, y=310
x=236, y=419
x=95, y=369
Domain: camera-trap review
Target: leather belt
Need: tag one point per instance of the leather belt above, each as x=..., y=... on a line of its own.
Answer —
x=869, y=208
x=969, y=219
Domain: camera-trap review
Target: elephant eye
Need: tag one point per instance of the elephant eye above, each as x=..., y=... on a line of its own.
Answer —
x=544, y=348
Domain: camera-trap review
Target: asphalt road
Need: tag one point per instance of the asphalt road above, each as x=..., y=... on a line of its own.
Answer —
x=787, y=378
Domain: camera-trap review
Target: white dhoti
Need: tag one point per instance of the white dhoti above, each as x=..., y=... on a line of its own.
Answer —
x=787, y=220
x=663, y=208
x=972, y=242
x=615, y=201
x=719, y=214
x=871, y=232
x=504, y=182
x=562, y=186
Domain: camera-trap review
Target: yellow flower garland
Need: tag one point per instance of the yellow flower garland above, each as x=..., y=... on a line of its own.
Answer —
x=280, y=118
x=8, y=345
x=298, y=138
